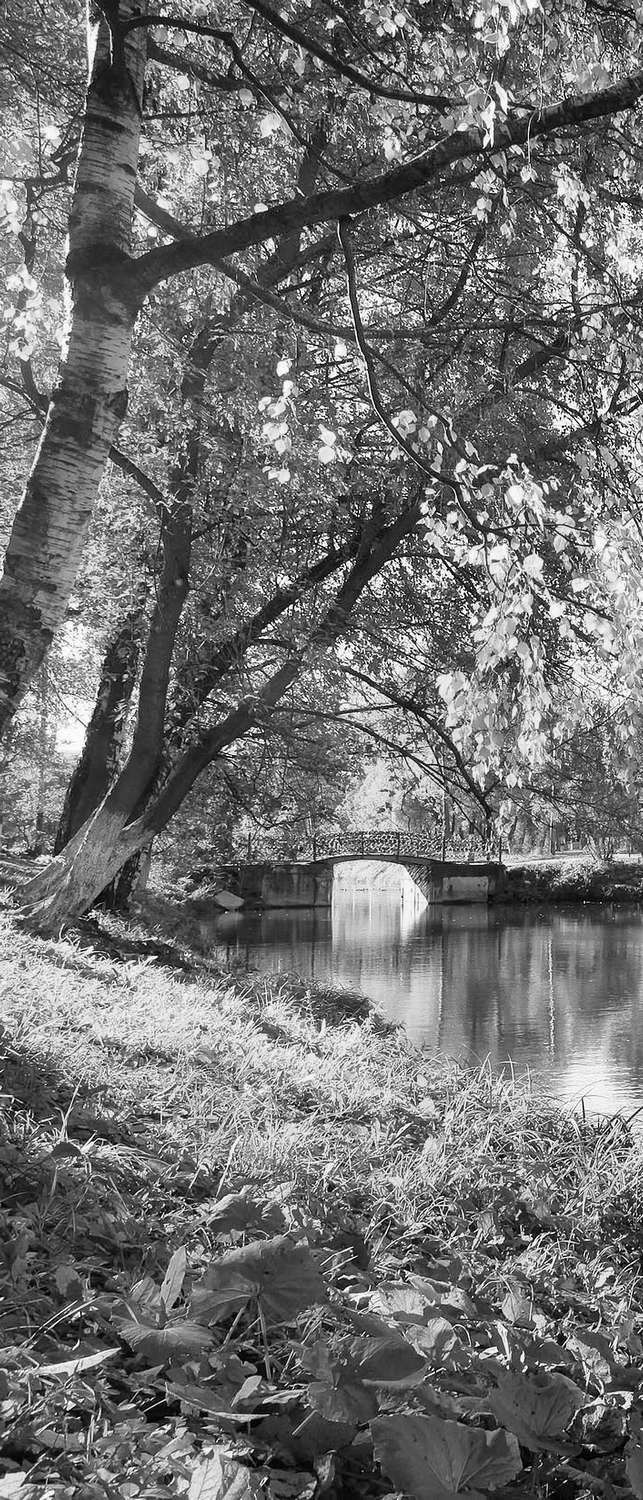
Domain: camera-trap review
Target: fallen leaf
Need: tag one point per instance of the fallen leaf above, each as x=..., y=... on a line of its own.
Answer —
x=68, y=1281
x=400, y=1301
x=435, y=1340
x=76, y=1366
x=433, y=1459
x=161, y=1344
x=318, y=1435
x=242, y=1212
x=346, y=1401
x=288, y=1484
x=13, y=1484
x=537, y=1408
x=220, y=1477
x=172, y=1283
x=390, y=1361
x=282, y=1276
x=594, y=1352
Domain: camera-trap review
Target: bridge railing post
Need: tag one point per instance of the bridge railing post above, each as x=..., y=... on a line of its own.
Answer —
x=361, y=842
x=397, y=844
x=314, y=846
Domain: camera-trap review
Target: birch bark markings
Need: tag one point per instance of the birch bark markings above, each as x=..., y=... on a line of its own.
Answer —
x=90, y=396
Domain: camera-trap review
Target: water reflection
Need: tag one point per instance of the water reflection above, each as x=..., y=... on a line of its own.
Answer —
x=557, y=991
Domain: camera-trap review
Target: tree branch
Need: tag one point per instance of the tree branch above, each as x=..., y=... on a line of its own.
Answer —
x=435, y=475
x=250, y=711
x=517, y=129
x=301, y=39
x=410, y=705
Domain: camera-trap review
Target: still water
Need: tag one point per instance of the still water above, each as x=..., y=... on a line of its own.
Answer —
x=557, y=991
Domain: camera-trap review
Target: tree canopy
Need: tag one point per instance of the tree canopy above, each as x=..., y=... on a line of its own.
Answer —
x=332, y=317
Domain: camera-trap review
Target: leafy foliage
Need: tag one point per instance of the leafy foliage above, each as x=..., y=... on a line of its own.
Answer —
x=387, y=270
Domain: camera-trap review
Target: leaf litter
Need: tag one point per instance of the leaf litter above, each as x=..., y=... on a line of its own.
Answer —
x=241, y=1257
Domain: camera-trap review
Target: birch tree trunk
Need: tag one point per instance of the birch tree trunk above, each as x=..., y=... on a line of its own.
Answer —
x=90, y=396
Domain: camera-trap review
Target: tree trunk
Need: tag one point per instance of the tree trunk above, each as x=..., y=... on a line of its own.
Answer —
x=38, y=842
x=71, y=883
x=129, y=883
x=74, y=879
x=99, y=761
x=90, y=394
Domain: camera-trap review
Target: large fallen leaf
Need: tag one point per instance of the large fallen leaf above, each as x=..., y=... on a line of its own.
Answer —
x=388, y=1361
x=518, y=1306
x=347, y=1400
x=282, y=1276
x=538, y=1408
x=317, y=1435
x=435, y=1459
x=220, y=1477
x=400, y=1301
x=449, y=1298
x=292, y=1484
x=594, y=1352
x=210, y=1399
x=242, y=1212
x=436, y=1340
x=15, y=1484
x=162, y=1344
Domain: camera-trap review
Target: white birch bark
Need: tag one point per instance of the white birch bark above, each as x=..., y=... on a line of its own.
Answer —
x=90, y=396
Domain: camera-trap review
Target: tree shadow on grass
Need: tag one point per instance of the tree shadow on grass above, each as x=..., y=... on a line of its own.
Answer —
x=84, y=1196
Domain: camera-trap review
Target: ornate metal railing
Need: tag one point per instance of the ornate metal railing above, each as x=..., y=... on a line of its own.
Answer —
x=369, y=844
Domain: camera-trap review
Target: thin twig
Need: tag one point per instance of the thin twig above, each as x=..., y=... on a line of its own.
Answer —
x=377, y=403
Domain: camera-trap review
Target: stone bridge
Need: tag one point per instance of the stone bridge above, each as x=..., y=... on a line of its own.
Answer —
x=454, y=870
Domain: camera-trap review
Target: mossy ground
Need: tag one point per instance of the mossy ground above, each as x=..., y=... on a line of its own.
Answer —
x=138, y=1095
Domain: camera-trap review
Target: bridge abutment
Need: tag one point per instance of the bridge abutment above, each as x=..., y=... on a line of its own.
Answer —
x=290, y=883
x=282, y=884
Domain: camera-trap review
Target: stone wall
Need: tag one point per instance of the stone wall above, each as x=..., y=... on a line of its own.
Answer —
x=268, y=884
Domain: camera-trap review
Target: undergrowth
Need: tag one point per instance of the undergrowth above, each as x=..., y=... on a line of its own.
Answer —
x=253, y=1242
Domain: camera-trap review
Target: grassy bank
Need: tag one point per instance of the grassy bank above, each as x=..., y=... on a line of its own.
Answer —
x=575, y=877
x=253, y=1240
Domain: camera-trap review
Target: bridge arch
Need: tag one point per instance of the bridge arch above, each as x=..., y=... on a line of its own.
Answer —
x=454, y=873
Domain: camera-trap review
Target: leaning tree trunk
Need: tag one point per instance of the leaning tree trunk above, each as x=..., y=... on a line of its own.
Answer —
x=90, y=393
x=101, y=753
x=70, y=884
x=76, y=877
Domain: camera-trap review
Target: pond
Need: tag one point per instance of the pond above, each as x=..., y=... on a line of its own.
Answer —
x=556, y=991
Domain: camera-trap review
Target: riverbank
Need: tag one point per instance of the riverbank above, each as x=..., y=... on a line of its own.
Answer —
x=574, y=877
x=251, y=1236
